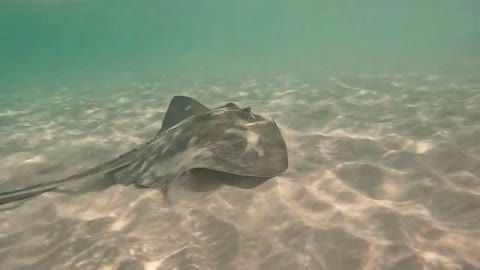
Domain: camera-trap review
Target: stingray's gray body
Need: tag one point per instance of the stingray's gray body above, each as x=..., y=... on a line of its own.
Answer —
x=226, y=139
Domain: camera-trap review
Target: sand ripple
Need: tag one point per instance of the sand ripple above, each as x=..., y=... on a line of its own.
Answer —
x=384, y=174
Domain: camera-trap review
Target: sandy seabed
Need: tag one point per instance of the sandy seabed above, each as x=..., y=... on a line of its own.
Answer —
x=384, y=174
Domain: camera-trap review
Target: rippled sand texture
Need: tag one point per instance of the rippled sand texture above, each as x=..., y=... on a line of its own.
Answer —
x=384, y=174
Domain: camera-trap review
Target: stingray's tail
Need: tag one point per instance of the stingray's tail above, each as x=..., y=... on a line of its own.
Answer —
x=25, y=193
x=28, y=192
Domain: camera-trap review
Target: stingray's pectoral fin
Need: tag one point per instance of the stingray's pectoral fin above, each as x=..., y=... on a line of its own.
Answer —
x=123, y=178
x=138, y=186
x=244, y=182
x=113, y=175
x=125, y=175
x=229, y=179
x=131, y=175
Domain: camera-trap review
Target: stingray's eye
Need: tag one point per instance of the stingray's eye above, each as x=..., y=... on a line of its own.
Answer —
x=231, y=105
x=247, y=113
x=247, y=110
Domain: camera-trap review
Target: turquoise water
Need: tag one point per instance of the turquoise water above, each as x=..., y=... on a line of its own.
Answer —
x=378, y=103
x=85, y=42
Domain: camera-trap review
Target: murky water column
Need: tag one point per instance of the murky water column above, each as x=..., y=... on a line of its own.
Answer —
x=378, y=104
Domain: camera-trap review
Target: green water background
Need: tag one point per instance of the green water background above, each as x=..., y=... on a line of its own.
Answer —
x=86, y=43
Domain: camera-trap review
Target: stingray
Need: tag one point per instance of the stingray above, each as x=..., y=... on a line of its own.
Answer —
x=230, y=143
